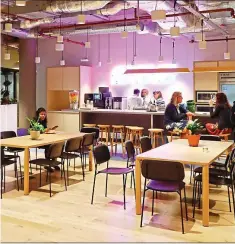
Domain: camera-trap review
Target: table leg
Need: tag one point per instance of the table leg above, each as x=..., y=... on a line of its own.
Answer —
x=91, y=158
x=138, y=186
x=151, y=120
x=26, y=171
x=205, y=195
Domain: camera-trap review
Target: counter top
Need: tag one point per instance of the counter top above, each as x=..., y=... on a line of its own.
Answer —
x=116, y=111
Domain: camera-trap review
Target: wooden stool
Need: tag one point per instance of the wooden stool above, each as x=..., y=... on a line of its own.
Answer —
x=104, y=133
x=89, y=125
x=136, y=133
x=118, y=129
x=154, y=134
x=172, y=133
x=128, y=132
x=224, y=136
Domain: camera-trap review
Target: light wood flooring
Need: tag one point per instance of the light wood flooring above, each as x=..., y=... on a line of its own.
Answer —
x=68, y=216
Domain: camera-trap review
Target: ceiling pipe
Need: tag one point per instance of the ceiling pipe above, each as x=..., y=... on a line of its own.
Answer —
x=216, y=40
x=148, y=17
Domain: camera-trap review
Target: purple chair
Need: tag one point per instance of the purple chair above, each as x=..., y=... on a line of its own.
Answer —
x=163, y=177
x=102, y=155
x=22, y=132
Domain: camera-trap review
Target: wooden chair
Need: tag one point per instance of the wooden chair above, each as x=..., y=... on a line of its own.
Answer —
x=118, y=130
x=155, y=134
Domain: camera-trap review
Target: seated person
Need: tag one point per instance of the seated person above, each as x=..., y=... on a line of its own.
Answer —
x=223, y=113
x=176, y=115
x=157, y=99
x=135, y=101
x=145, y=97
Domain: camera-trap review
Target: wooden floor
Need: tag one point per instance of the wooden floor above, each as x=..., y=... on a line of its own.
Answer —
x=68, y=216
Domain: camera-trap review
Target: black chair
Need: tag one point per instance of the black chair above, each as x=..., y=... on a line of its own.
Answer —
x=101, y=156
x=130, y=151
x=14, y=150
x=216, y=180
x=145, y=144
x=87, y=142
x=6, y=161
x=163, y=177
x=72, y=151
x=54, y=151
x=92, y=130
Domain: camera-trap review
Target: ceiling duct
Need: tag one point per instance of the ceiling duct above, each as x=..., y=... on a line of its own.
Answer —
x=75, y=6
x=27, y=24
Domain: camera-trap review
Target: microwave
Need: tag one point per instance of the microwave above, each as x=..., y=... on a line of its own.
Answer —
x=205, y=96
x=203, y=108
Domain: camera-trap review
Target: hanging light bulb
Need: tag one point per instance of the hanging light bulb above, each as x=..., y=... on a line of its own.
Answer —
x=160, y=58
x=7, y=56
x=202, y=43
x=60, y=39
x=62, y=62
x=158, y=15
x=124, y=33
x=175, y=30
x=199, y=36
x=59, y=47
x=81, y=19
x=8, y=27
x=37, y=60
x=227, y=53
x=20, y=3
x=173, y=48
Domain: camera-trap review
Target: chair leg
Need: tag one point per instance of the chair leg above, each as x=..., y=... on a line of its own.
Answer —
x=133, y=175
x=191, y=173
x=152, y=203
x=194, y=197
x=93, y=189
x=40, y=168
x=17, y=179
x=156, y=194
x=124, y=190
x=1, y=180
x=106, y=185
x=181, y=210
x=142, y=211
x=199, y=194
x=21, y=178
x=232, y=187
x=67, y=172
x=194, y=192
x=50, y=180
x=185, y=202
x=4, y=178
x=83, y=169
x=62, y=168
x=74, y=164
x=229, y=201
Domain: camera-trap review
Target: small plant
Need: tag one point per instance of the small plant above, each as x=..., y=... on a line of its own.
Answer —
x=35, y=126
x=193, y=127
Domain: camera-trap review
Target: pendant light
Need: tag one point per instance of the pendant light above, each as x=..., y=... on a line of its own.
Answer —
x=202, y=43
x=109, y=50
x=87, y=43
x=227, y=53
x=8, y=25
x=133, y=57
x=81, y=17
x=7, y=55
x=160, y=58
x=158, y=14
x=62, y=61
x=99, y=61
x=20, y=3
x=124, y=33
x=60, y=37
x=175, y=30
x=59, y=46
x=85, y=59
x=173, y=48
x=138, y=28
x=37, y=58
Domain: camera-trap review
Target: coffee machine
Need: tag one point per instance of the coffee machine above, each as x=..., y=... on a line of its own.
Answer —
x=120, y=103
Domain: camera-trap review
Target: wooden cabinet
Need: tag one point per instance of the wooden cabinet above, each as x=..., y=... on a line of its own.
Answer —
x=54, y=79
x=227, y=63
x=71, y=78
x=67, y=122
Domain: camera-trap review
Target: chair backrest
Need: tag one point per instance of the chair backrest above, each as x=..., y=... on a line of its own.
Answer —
x=101, y=154
x=130, y=150
x=230, y=159
x=55, y=150
x=91, y=130
x=145, y=143
x=2, y=153
x=7, y=134
x=88, y=139
x=73, y=144
x=164, y=171
x=22, y=132
x=210, y=138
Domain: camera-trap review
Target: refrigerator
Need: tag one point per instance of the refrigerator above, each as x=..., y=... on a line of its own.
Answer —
x=227, y=85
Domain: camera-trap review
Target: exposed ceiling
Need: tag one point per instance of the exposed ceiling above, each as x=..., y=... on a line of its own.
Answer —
x=44, y=17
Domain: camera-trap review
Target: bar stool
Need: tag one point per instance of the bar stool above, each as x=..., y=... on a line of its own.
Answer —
x=118, y=130
x=136, y=134
x=154, y=134
x=174, y=135
x=224, y=136
x=104, y=133
x=128, y=132
x=89, y=125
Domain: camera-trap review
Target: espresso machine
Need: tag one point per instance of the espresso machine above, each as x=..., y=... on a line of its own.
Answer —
x=120, y=103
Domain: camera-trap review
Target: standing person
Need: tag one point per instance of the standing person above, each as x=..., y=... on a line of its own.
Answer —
x=157, y=99
x=175, y=114
x=145, y=97
x=135, y=101
x=223, y=113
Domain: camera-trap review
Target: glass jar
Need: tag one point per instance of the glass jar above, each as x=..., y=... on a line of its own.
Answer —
x=73, y=99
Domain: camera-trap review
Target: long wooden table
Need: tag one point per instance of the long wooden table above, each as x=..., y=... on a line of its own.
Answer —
x=180, y=151
x=26, y=143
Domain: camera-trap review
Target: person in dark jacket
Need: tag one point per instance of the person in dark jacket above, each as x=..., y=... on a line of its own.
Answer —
x=176, y=115
x=223, y=113
x=41, y=117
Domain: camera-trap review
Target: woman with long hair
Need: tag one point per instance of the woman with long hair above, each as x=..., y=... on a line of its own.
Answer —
x=223, y=113
x=175, y=114
x=41, y=117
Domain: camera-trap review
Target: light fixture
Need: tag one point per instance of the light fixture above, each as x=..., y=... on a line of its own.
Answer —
x=37, y=58
x=158, y=15
x=7, y=56
x=175, y=30
x=160, y=58
x=109, y=61
x=227, y=53
x=87, y=43
x=59, y=47
x=173, y=49
x=124, y=33
x=81, y=19
x=8, y=25
x=202, y=43
x=159, y=70
x=60, y=39
x=20, y=3
x=199, y=36
x=62, y=62
x=85, y=59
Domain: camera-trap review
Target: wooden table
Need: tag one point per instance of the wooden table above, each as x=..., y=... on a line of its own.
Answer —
x=179, y=151
x=44, y=139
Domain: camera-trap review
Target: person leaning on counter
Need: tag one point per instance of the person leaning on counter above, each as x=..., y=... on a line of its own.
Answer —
x=157, y=99
x=145, y=97
x=135, y=100
x=176, y=113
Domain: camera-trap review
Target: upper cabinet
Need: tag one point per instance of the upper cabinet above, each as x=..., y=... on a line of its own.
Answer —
x=63, y=78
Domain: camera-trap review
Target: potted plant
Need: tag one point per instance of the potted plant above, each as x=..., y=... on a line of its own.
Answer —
x=193, y=128
x=35, y=129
